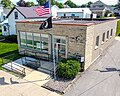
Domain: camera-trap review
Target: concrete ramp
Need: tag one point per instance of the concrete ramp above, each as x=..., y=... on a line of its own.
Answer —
x=37, y=77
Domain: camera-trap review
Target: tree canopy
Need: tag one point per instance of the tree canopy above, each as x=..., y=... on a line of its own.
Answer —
x=6, y=3
x=70, y=3
x=86, y=5
x=22, y=3
x=29, y=4
x=41, y=2
x=117, y=6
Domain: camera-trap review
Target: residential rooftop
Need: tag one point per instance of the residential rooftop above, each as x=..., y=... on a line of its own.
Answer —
x=74, y=22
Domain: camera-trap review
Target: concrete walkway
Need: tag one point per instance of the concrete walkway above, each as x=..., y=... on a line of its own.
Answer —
x=22, y=87
x=102, y=78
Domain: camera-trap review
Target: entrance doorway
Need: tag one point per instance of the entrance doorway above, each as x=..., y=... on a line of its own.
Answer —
x=60, y=48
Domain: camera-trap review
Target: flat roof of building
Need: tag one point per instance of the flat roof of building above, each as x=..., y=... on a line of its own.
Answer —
x=74, y=22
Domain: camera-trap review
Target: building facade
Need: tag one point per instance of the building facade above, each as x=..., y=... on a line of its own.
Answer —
x=74, y=12
x=99, y=8
x=83, y=38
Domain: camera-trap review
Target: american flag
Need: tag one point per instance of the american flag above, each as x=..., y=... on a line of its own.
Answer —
x=43, y=10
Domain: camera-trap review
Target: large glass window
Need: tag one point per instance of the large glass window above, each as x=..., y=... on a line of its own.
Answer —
x=23, y=39
x=44, y=42
x=29, y=40
x=37, y=43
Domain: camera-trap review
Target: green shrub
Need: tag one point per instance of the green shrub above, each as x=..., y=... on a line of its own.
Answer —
x=118, y=28
x=68, y=69
x=11, y=38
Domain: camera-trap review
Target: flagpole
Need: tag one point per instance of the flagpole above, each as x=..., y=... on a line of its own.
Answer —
x=54, y=65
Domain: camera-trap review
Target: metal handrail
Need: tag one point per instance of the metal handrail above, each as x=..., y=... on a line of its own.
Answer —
x=16, y=69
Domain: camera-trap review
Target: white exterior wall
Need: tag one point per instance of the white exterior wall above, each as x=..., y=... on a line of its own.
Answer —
x=1, y=10
x=59, y=14
x=54, y=11
x=12, y=21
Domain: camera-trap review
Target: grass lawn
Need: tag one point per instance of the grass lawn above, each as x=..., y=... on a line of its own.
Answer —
x=8, y=49
x=118, y=29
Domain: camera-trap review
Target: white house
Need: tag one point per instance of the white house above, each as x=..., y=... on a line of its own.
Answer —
x=74, y=12
x=4, y=21
x=99, y=8
x=1, y=10
x=18, y=14
x=54, y=10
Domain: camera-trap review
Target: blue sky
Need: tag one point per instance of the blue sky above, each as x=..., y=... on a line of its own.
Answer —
x=79, y=2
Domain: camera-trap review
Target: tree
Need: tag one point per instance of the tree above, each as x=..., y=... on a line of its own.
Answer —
x=29, y=4
x=41, y=2
x=70, y=3
x=60, y=5
x=53, y=2
x=6, y=3
x=83, y=5
x=117, y=6
x=21, y=3
x=89, y=4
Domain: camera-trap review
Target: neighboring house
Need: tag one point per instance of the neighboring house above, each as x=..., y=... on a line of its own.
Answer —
x=21, y=13
x=74, y=12
x=114, y=11
x=84, y=39
x=1, y=10
x=54, y=10
x=4, y=23
x=99, y=8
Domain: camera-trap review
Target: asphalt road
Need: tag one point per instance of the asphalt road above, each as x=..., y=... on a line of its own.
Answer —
x=102, y=78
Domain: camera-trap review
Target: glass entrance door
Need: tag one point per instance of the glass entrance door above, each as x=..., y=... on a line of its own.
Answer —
x=60, y=51
x=60, y=47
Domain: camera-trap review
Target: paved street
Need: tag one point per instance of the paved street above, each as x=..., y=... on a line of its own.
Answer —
x=102, y=78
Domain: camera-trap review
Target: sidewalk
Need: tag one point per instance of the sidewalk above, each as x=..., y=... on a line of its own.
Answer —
x=21, y=87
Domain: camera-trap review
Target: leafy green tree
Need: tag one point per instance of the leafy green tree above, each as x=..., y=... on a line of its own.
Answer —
x=89, y=3
x=83, y=6
x=6, y=3
x=60, y=5
x=71, y=4
x=21, y=3
x=29, y=4
x=41, y=2
x=117, y=6
x=53, y=2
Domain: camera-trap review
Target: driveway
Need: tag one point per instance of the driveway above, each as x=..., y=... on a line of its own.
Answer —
x=102, y=78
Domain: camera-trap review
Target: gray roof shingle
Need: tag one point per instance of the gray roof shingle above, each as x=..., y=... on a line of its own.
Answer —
x=27, y=12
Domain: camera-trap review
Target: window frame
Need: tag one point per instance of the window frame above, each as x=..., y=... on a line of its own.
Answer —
x=111, y=33
x=107, y=36
x=103, y=38
x=16, y=15
x=5, y=28
x=97, y=42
